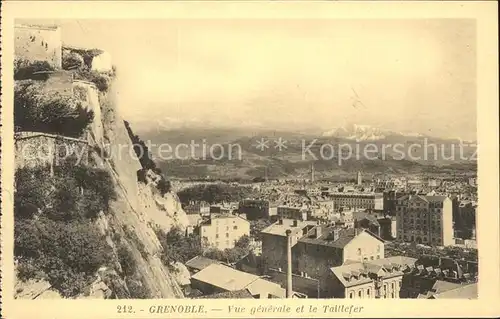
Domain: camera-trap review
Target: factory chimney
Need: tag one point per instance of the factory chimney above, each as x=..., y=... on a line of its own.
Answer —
x=312, y=173
x=289, y=290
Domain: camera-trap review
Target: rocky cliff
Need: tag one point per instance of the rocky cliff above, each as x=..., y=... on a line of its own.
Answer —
x=129, y=223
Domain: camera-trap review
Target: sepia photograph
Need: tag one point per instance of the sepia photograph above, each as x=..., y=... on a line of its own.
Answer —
x=245, y=158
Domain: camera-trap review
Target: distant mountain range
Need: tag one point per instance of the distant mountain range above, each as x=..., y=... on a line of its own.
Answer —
x=390, y=152
x=365, y=133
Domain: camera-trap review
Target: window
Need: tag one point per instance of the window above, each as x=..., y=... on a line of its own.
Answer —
x=378, y=249
x=360, y=294
x=359, y=251
x=368, y=292
x=351, y=295
x=371, y=257
x=227, y=235
x=217, y=236
x=235, y=227
x=378, y=256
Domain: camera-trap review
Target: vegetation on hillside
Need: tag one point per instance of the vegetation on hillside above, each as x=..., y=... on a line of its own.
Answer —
x=36, y=70
x=55, y=236
x=215, y=193
x=144, y=156
x=256, y=226
x=180, y=248
x=53, y=113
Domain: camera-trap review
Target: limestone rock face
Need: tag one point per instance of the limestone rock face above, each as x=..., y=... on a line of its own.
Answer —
x=182, y=275
x=130, y=223
x=35, y=289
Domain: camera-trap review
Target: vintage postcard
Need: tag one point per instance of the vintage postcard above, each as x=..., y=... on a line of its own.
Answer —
x=205, y=159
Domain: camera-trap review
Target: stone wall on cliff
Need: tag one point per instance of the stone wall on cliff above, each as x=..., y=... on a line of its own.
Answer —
x=132, y=218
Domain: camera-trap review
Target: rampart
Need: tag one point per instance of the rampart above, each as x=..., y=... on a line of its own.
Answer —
x=37, y=43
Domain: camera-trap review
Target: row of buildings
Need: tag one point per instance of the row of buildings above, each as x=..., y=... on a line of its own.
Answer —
x=308, y=259
x=422, y=219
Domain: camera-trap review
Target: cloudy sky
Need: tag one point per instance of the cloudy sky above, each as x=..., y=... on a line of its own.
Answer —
x=412, y=75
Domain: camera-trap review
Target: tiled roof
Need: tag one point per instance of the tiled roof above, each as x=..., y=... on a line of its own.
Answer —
x=230, y=279
x=462, y=292
x=200, y=262
x=238, y=294
x=345, y=237
x=344, y=274
x=224, y=277
x=277, y=229
x=436, y=198
x=386, y=267
x=441, y=286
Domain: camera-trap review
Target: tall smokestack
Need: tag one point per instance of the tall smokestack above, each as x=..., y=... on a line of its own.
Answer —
x=289, y=290
x=312, y=172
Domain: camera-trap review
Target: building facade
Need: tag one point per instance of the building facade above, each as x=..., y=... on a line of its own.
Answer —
x=317, y=248
x=39, y=43
x=371, y=201
x=222, y=231
x=379, y=279
x=293, y=212
x=425, y=220
x=257, y=209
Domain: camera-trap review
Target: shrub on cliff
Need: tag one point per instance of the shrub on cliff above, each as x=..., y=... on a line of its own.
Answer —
x=177, y=247
x=145, y=158
x=215, y=193
x=25, y=69
x=74, y=192
x=100, y=79
x=126, y=259
x=37, y=111
x=71, y=60
x=230, y=255
x=67, y=254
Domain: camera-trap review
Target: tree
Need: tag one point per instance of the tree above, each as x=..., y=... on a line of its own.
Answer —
x=68, y=253
x=177, y=247
x=53, y=113
x=256, y=226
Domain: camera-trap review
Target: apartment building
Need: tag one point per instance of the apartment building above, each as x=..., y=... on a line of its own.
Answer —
x=197, y=208
x=381, y=278
x=465, y=219
x=222, y=231
x=299, y=212
x=425, y=220
x=316, y=248
x=355, y=200
x=430, y=274
x=257, y=209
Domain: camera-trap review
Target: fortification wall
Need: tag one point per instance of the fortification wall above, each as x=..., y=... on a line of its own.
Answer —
x=36, y=43
x=34, y=149
x=59, y=82
x=88, y=93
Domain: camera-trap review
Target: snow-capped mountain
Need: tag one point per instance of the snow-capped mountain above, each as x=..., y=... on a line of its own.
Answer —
x=358, y=132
